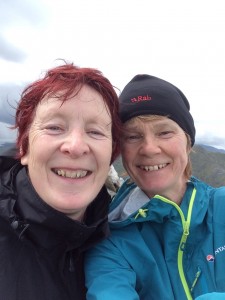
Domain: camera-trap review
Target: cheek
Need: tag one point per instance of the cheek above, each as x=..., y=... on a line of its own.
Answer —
x=126, y=159
x=124, y=149
x=33, y=154
x=30, y=159
x=36, y=139
x=178, y=148
x=128, y=153
x=106, y=149
x=183, y=154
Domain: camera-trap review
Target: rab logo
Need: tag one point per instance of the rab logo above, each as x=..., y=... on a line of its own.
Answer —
x=210, y=257
x=141, y=98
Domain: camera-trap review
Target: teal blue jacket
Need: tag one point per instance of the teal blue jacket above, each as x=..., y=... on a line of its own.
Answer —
x=162, y=251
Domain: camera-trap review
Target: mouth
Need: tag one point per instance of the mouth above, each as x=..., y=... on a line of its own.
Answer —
x=70, y=173
x=153, y=168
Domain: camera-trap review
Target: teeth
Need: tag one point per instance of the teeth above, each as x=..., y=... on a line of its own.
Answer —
x=153, y=168
x=71, y=174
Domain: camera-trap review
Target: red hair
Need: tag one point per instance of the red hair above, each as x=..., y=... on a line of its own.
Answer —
x=67, y=79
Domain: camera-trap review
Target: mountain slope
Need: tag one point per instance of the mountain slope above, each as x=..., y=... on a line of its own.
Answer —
x=208, y=166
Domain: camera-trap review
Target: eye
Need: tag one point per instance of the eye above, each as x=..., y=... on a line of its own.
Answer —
x=97, y=134
x=54, y=129
x=132, y=138
x=166, y=133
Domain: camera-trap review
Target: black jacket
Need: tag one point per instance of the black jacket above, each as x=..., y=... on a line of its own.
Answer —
x=41, y=250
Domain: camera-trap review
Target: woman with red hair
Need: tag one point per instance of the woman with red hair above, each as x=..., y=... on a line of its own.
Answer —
x=53, y=200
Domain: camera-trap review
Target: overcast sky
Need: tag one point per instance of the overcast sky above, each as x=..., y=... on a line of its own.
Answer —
x=182, y=42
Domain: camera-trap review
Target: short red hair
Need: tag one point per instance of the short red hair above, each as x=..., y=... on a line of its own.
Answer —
x=67, y=79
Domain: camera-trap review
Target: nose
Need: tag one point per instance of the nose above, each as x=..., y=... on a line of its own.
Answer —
x=149, y=146
x=75, y=144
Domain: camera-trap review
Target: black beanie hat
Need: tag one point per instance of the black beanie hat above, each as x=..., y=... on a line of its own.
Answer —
x=149, y=95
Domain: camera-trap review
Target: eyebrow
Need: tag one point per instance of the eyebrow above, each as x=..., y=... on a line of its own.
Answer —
x=93, y=120
x=50, y=114
x=156, y=124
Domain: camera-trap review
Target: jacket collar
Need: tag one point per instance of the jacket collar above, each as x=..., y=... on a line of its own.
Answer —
x=31, y=216
x=156, y=209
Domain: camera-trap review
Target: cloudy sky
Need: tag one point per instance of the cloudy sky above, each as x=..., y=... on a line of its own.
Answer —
x=179, y=41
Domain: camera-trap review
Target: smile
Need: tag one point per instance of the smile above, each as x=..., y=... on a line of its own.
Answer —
x=153, y=168
x=70, y=174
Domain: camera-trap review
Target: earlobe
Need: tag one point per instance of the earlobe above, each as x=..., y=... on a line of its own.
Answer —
x=24, y=157
x=24, y=160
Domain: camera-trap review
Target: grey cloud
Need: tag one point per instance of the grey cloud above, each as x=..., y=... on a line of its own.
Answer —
x=9, y=96
x=211, y=140
x=19, y=13
x=10, y=52
x=23, y=11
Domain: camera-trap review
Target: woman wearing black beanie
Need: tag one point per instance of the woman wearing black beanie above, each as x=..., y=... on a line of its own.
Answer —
x=167, y=228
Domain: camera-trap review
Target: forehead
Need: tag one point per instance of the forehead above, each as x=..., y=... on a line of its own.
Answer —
x=84, y=93
x=152, y=121
x=87, y=99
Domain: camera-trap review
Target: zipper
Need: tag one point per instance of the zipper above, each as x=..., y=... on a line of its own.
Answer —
x=186, y=226
x=197, y=275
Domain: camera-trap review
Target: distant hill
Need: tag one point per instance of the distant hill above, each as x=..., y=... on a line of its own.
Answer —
x=212, y=149
x=208, y=164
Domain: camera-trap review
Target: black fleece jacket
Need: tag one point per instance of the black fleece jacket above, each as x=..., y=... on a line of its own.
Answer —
x=41, y=249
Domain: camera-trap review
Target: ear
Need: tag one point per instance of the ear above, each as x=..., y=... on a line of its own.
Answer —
x=21, y=151
x=24, y=159
x=189, y=150
x=189, y=147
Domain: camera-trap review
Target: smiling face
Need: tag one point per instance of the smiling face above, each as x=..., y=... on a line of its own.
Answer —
x=70, y=148
x=155, y=156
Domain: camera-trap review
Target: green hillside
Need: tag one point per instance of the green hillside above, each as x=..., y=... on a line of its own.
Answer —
x=207, y=165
